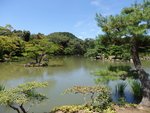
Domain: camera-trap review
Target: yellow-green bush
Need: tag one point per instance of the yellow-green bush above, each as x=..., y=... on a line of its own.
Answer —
x=72, y=109
x=109, y=110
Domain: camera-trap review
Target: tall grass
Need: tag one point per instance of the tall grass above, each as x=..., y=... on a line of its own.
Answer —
x=120, y=87
x=136, y=90
x=2, y=87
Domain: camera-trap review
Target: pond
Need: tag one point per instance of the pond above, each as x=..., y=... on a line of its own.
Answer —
x=73, y=71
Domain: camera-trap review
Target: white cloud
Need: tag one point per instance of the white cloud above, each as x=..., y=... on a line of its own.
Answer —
x=95, y=2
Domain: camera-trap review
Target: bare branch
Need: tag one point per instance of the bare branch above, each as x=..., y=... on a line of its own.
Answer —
x=15, y=108
x=22, y=108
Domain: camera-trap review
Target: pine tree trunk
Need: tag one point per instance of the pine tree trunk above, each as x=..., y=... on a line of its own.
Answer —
x=145, y=81
x=135, y=55
x=143, y=76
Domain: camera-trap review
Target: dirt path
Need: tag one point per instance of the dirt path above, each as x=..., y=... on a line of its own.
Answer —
x=133, y=110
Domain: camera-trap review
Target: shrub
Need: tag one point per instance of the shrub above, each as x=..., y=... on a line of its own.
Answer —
x=72, y=109
x=15, y=98
x=99, y=96
x=109, y=110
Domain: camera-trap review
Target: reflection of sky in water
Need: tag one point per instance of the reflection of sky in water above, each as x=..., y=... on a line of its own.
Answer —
x=75, y=71
x=127, y=92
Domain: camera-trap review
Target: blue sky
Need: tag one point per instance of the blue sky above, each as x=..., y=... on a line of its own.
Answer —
x=47, y=16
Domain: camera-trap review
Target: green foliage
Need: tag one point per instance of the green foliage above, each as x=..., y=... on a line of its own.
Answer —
x=86, y=89
x=69, y=43
x=101, y=102
x=136, y=90
x=95, y=48
x=5, y=31
x=121, y=72
x=89, y=43
x=39, y=48
x=10, y=46
x=119, y=90
x=26, y=36
x=91, y=53
x=116, y=50
x=72, y=109
x=105, y=79
x=60, y=38
x=103, y=46
x=37, y=36
x=130, y=27
x=109, y=110
x=23, y=94
x=114, y=73
x=79, y=108
x=121, y=52
x=116, y=68
x=31, y=86
x=13, y=43
x=99, y=96
x=103, y=40
x=122, y=101
x=9, y=27
x=2, y=87
x=111, y=74
x=120, y=87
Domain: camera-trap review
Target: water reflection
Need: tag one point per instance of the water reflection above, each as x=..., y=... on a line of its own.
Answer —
x=74, y=71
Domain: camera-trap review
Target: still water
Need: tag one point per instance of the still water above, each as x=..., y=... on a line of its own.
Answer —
x=73, y=71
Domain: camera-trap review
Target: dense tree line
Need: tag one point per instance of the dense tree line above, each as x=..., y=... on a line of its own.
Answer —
x=17, y=43
x=116, y=46
x=69, y=43
x=10, y=47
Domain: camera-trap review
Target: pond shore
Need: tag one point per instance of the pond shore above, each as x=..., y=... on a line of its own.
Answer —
x=138, y=109
x=132, y=110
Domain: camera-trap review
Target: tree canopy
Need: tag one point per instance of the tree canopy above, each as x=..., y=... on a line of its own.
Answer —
x=39, y=48
x=15, y=98
x=133, y=23
x=69, y=43
x=10, y=46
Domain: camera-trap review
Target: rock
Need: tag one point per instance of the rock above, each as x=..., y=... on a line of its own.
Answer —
x=32, y=64
x=111, y=57
x=98, y=57
x=131, y=60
